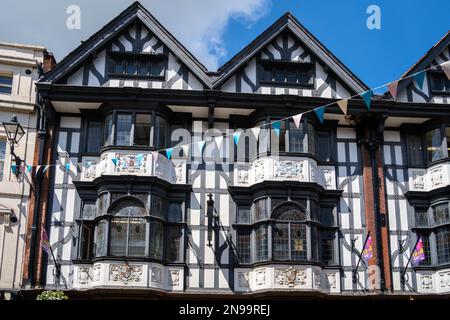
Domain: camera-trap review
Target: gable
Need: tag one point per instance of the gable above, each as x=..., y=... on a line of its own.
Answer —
x=251, y=77
x=287, y=41
x=138, y=37
x=409, y=90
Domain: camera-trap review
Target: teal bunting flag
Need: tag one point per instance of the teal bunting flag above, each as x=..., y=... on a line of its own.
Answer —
x=169, y=153
x=88, y=164
x=419, y=77
x=114, y=160
x=276, y=125
x=320, y=112
x=29, y=167
x=139, y=158
x=67, y=166
x=367, y=97
x=236, y=136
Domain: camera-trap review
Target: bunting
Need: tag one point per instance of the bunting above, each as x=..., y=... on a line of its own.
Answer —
x=185, y=150
x=446, y=67
x=343, y=104
x=393, y=89
x=219, y=141
x=297, y=118
x=367, y=97
x=236, y=136
x=320, y=112
x=169, y=153
x=419, y=77
x=200, y=145
x=155, y=155
x=67, y=167
x=276, y=125
x=255, y=132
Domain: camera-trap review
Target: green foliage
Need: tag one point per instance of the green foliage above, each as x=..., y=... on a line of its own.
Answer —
x=52, y=295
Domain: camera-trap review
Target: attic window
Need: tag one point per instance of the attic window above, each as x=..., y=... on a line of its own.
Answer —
x=287, y=73
x=141, y=65
x=440, y=83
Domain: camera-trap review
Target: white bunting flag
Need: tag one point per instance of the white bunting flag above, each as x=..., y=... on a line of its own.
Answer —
x=219, y=141
x=255, y=132
x=446, y=67
x=185, y=149
x=343, y=104
x=297, y=118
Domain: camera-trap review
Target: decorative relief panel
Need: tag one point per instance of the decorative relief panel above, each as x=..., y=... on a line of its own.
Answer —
x=131, y=163
x=96, y=272
x=243, y=174
x=444, y=280
x=317, y=276
x=331, y=280
x=427, y=281
x=83, y=275
x=418, y=179
x=437, y=176
x=289, y=169
x=174, y=278
x=243, y=279
x=90, y=169
x=259, y=170
x=156, y=275
x=290, y=277
x=179, y=168
x=260, y=277
x=125, y=273
x=313, y=173
x=103, y=164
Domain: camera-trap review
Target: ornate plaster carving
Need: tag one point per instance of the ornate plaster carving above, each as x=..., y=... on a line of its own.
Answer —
x=243, y=279
x=290, y=277
x=125, y=273
x=418, y=179
x=289, y=169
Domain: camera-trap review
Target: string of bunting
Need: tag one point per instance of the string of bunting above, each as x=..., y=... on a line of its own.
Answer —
x=366, y=96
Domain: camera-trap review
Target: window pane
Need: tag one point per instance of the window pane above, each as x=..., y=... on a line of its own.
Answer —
x=441, y=214
x=174, y=250
x=279, y=75
x=175, y=212
x=323, y=150
x=311, y=139
x=94, y=136
x=298, y=241
x=156, y=240
x=296, y=137
x=128, y=208
x=243, y=246
x=327, y=216
x=327, y=240
x=421, y=217
x=102, y=204
x=2, y=156
x=415, y=150
x=261, y=252
x=107, y=138
x=447, y=135
x=6, y=84
x=243, y=215
x=280, y=241
x=100, y=238
x=160, y=132
x=434, y=145
x=136, y=237
x=119, y=229
x=260, y=210
x=158, y=209
x=142, y=129
x=123, y=129
x=443, y=245
x=85, y=242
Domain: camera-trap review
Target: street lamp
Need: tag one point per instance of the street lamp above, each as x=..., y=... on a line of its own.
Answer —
x=14, y=132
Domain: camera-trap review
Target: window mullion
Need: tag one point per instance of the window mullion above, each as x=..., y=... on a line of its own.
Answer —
x=289, y=241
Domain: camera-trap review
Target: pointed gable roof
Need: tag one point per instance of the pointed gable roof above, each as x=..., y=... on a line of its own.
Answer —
x=289, y=22
x=113, y=29
x=426, y=59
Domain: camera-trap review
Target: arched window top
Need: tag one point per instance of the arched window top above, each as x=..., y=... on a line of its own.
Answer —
x=128, y=207
x=289, y=212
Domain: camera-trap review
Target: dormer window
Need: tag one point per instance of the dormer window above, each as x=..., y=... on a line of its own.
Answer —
x=289, y=73
x=440, y=83
x=142, y=65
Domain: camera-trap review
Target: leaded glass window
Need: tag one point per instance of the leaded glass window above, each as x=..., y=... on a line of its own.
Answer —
x=260, y=210
x=443, y=245
x=261, y=252
x=441, y=214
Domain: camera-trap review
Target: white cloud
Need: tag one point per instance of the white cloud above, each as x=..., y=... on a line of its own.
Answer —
x=198, y=24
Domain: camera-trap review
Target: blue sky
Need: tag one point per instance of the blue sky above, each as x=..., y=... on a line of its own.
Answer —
x=408, y=30
x=215, y=30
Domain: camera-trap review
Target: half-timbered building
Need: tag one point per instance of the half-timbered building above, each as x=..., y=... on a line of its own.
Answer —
x=285, y=211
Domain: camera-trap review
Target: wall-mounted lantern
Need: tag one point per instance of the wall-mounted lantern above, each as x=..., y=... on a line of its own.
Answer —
x=14, y=132
x=210, y=216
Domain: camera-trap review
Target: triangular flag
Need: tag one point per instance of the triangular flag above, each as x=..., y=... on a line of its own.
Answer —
x=139, y=158
x=219, y=141
x=419, y=77
x=343, y=104
x=236, y=136
x=255, y=132
x=45, y=168
x=276, y=125
x=29, y=167
x=393, y=89
x=446, y=67
x=88, y=164
x=67, y=166
x=367, y=97
x=297, y=118
x=155, y=155
x=320, y=112
x=169, y=153
x=114, y=160
x=200, y=145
